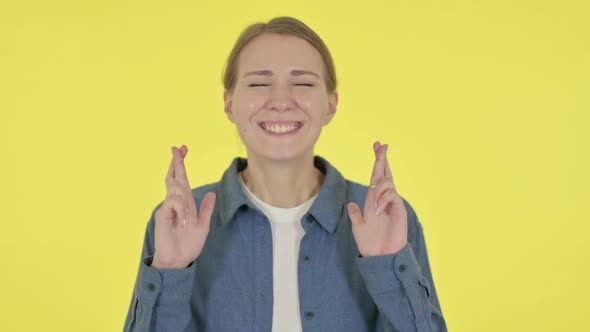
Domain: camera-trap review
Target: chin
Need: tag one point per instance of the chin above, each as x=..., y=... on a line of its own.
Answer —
x=280, y=154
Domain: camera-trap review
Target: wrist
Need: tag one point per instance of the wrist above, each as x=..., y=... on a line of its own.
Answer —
x=394, y=250
x=159, y=264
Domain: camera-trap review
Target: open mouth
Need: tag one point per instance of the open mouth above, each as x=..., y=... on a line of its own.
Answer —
x=281, y=128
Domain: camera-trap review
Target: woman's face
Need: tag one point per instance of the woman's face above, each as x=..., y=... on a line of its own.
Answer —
x=280, y=102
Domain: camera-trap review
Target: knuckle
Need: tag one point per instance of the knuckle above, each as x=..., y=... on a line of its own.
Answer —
x=162, y=214
x=158, y=213
x=173, y=189
x=176, y=201
x=386, y=197
x=178, y=190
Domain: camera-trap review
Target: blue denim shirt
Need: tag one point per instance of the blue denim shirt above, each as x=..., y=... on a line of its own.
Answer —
x=229, y=287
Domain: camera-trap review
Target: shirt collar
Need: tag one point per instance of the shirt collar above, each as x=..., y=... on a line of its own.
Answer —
x=326, y=209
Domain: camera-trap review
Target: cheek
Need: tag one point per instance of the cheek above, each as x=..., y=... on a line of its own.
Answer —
x=313, y=102
x=242, y=123
x=253, y=104
x=249, y=102
x=306, y=101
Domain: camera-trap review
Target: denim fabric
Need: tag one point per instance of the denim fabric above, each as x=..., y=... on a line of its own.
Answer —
x=229, y=287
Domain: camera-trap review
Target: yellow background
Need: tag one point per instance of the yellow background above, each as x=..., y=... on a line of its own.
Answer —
x=485, y=107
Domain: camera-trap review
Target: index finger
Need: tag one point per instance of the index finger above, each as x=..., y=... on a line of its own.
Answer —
x=170, y=174
x=179, y=168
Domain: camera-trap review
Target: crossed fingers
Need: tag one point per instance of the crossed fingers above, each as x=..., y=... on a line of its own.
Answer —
x=382, y=179
x=176, y=179
x=179, y=193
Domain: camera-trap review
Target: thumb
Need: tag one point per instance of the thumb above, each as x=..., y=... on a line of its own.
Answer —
x=354, y=212
x=206, y=210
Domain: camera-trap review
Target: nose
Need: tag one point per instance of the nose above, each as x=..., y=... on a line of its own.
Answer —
x=280, y=98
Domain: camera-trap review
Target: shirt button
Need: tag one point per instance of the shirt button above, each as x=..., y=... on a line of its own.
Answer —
x=402, y=268
x=151, y=287
x=309, y=315
x=306, y=258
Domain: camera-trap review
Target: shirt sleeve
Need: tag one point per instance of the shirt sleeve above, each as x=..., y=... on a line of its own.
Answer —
x=161, y=297
x=402, y=286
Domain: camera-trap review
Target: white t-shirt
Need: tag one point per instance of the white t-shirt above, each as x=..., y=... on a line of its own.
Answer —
x=287, y=232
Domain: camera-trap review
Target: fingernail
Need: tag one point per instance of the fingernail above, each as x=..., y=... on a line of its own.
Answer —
x=184, y=221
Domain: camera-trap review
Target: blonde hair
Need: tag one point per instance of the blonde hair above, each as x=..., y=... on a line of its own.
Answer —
x=281, y=25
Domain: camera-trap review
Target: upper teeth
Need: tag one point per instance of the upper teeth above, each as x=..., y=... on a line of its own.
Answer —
x=280, y=128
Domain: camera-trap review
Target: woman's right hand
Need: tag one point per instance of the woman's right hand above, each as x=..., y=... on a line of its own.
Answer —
x=180, y=231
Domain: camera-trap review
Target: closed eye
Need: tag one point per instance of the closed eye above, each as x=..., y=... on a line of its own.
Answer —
x=304, y=84
x=258, y=84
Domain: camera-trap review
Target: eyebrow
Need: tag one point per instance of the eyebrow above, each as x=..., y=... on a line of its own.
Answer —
x=294, y=72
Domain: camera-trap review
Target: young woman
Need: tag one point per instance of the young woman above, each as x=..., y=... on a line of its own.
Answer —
x=283, y=242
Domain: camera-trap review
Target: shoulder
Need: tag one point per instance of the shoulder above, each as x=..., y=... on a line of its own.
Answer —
x=356, y=191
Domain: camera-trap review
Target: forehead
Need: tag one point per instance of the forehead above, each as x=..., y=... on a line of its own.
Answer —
x=279, y=53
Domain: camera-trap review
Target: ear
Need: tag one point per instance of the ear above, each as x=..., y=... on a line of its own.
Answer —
x=227, y=105
x=332, y=106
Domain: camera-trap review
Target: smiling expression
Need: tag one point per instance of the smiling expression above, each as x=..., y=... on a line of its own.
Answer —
x=280, y=103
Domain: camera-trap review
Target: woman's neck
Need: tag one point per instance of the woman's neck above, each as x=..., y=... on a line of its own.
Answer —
x=283, y=184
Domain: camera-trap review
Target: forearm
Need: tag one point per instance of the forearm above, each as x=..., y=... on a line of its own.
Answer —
x=404, y=296
x=161, y=299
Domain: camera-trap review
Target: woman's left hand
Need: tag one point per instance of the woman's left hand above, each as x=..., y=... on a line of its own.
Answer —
x=382, y=228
